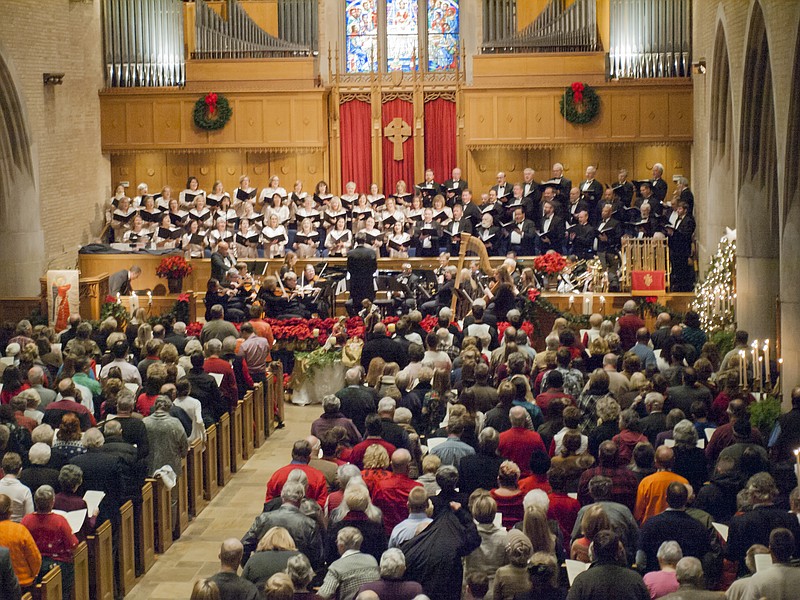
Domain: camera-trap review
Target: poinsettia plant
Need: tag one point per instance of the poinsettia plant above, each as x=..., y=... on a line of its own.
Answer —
x=549, y=263
x=173, y=267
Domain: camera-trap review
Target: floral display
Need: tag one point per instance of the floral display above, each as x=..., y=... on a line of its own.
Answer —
x=173, y=267
x=550, y=263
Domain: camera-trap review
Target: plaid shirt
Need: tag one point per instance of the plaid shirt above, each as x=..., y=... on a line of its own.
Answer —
x=349, y=573
x=623, y=487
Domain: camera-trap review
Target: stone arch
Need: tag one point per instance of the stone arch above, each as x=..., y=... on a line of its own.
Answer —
x=21, y=237
x=757, y=213
x=722, y=168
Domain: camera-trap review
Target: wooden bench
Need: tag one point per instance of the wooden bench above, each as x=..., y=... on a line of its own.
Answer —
x=126, y=554
x=275, y=402
x=258, y=415
x=237, y=424
x=80, y=562
x=162, y=515
x=51, y=586
x=224, y=450
x=194, y=468
x=183, y=500
x=101, y=563
x=210, y=481
x=248, y=426
x=145, y=531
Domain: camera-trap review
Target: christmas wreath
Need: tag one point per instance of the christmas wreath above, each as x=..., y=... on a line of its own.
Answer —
x=579, y=104
x=212, y=112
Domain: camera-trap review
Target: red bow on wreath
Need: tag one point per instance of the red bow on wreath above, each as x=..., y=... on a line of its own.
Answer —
x=211, y=103
x=577, y=92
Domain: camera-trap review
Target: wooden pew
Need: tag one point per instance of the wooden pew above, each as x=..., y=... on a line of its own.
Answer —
x=237, y=424
x=126, y=555
x=194, y=467
x=80, y=561
x=210, y=482
x=162, y=512
x=224, y=450
x=258, y=414
x=145, y=531
x=183, y=500
x=27, y=596
x=51, y=587
x=248, y=427
x=101, y=563
x=275, y=397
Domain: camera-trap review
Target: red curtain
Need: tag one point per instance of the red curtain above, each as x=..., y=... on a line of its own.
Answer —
x=440, y=138
x=355, y=120
x=395, y=170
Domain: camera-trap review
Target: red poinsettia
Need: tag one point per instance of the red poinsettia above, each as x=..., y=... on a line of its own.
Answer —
x=550, y=263
x=429, y=323
x=110, y=298
x=577, y=92
x=651, y=299
x=533, y=294
x=173, y=267
x=183, y=298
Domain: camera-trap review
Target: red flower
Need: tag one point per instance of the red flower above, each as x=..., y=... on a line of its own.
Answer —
x=550, y=263
x=193, y=329
x=577, y=92
x=533, y=294
x=429, y=323
x=110, y=298
x=183, y=298
x=651, y=299
x=173, y=267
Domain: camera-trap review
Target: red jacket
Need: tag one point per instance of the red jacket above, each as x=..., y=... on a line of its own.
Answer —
x=391, y=496
x=227, y=387
x=518, y=444
x=317, y=486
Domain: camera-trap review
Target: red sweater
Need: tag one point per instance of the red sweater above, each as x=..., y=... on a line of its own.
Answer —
x=228, y=387
x=317, y=486
x=52, y=534
x=518, y=444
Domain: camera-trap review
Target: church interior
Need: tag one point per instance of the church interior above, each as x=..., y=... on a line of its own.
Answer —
x=95, y=94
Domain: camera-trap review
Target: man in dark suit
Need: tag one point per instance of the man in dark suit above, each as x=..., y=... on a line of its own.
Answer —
x=458, y=226
x=592, y=190
x=680, y=250
x=103, y=472
x=551, y=233
x=221, y=262
x=503, y=188
x=522, y=236
x=609, y=232
x=357, y=400
x=427, y=235
x=471, y=210
x=657, y=183
x=530, y=189
x=429, y=188
x=686, y=194
x=120, y=282
x=576, y=205
x=380, y=345
x=454, y=187
x=623, y=188
x=582, y=237
x=564, y=184
x=362, y=263
x=647, y=196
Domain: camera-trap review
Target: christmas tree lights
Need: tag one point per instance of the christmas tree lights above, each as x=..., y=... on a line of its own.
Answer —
x=716, y=296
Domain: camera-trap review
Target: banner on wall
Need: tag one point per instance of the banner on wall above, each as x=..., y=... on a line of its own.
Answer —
x=63, y=297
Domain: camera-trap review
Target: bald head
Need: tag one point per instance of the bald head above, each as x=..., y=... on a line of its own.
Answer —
x=517, y=416
x=315, y=444
x=401, y=459
x=665, y=458
x=222, y=248
x=230, y=554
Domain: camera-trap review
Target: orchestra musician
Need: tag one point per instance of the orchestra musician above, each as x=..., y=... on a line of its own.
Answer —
x=444, y=294
x=408, y=278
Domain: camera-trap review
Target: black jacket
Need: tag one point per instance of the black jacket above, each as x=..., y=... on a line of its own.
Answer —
x=35, y=476
x=478, y=471
x=357, y=401
x=383, y=347
x=608, y=580
x=205, y=389
x=106, y=473
x=362, y=262
x=673, y=525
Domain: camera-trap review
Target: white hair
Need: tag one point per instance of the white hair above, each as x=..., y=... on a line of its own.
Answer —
x=669, y=552
x=386, y=404
x=537, y=498
x=39, y=454
x=393, y=564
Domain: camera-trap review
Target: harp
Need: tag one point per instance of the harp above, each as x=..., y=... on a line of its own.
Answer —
x=470, y=243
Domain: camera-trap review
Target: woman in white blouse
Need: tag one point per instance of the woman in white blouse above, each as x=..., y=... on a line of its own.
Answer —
x=141, y=193
x=245, y=193
x=276, y=207
x=217, y=193
x=360, y=212
x=376, y=199
x=220, y=233
x=274, y=237
x=374, y=235
x=166, y=226
x=192, y=191
x=339, y=239
x=398, y=238
x=306, y=239
x=307, y=211
x=193, y=241
x=225, y=211
x=390, y=215
x=441, y=212
x=349, y=197
x=122, y=218
x=250, y=232
x=274, y=187
x=332, y=213
x=201, y=214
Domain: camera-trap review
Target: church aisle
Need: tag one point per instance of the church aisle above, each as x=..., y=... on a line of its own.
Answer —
x=230, y=514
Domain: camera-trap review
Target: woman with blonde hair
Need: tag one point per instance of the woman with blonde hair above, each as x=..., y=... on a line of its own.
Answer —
x=278, y=587
x=357, y=510
x=205, y=589
x=535, y=526
x=375, y=372
x=376, y=466
x=143, y=335
x=271, y=556
x=512, y=579
x=508, y=495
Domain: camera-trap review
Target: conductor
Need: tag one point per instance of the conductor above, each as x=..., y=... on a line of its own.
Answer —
x=362, y=262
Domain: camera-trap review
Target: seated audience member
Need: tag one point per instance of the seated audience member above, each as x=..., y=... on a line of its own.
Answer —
x=391, y=585
x=10, y=485
x=39, y=472
x=691, y=582
x=570, y=461
x=300, y=572
x=68, y=404
x=352, y=570
x=231, y=585
x=26, y=559
x=357, y=511
x=508, y=495
x=651, y=496
x=53, y=537
x=373, y=435
x=512, y=579
x=664, y=581
x=301, y=455
x=278, y=587
x=624, y=481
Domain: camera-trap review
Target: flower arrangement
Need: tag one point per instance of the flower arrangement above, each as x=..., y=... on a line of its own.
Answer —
x=173, y=267
x=579, y=104
x=112, y=308
x=550, y=263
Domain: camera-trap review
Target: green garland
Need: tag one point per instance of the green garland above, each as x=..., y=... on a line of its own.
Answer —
x=202, y=118
x=307, y=363
x=589, y=107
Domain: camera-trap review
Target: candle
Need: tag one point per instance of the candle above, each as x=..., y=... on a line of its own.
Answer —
x=779, y=381
x=571, y=301
x=766, y=362
x=134, y=301
x=315, y=332
x=149, y=298
x=119, y=301
x=797, y=468
x=754, y=353
x=742, y=369
x=760, y=379
x=603, y=304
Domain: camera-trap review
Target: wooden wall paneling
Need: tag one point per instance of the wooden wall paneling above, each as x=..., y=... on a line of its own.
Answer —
x=277, y=119
x=229, y=165
x=308, y=116
x=151, y=167
x=480, y=111
x=539, y=118
x=678, y=162
x=653, y=115
x=645, y=156
x=190, y=134
x=681, y=116
x=203, y=166
x=624, y=116
x=123, y=168
x=572, y=159
x=250, y=122
x=139, y=123
x=257, y=167
x=510, y=115
x=177, y=172
x=167, y=122
x=622, y=157
x=599, y=129
x=311, y=169
x=285, y=167
x=113, y=122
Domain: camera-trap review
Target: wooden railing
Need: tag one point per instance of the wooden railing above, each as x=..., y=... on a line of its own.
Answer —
x=107, y=567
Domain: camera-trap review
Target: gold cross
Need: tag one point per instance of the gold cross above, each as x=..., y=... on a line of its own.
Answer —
x=397, y=132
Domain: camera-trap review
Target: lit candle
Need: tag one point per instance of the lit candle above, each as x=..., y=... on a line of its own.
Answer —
x=760, y=379
x=797, y=468
x=766, y=362
x=149, y=298
x=571, y=301
x=315, y=332
x=134, y=301
x=754, y=353
x=779, y=381
x=742, y=369
x=119, y=300
x=603, y=304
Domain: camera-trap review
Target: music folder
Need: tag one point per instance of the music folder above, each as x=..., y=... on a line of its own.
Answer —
x=395, y=246
x=197, y=239
x=244, y=195
x=124, y=218
x=170, y=234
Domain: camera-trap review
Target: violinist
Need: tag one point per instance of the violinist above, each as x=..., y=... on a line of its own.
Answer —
x=238, y=296
x=292, y=307
x=271, y=296
x=215, y=294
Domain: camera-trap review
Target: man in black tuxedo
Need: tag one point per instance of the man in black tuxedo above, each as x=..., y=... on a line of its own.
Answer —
x=502, y=187
x=576, y=205
x=427, y=235
x=120, y=282
x=550, y=194
x=582, y=237
x=429, y=188
x=657, y=183
x=471, y=210
x=454, y=187
x=564, y=184
x=522, y=236
x=680, y=250
x=518, y=199
x=648, y=197
x=362, y=262
x=458, y=226
x=609, y=232
x=591, y=191
x=530, y=189
x=623, y=188
x=686, y=194
x=551, y=233
x=221, y=262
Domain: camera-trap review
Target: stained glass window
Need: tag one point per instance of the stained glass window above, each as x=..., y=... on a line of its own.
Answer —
x=361, y=21
x=442, y=34
x=398, y=31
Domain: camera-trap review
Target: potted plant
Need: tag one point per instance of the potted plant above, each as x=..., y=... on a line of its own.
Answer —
x=550, y=265
x=174, y=269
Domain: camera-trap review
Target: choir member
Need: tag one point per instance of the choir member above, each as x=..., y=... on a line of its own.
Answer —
x=391, y=215
x=245, y=193
x=339, y=239
x=162, y=200
x=298, y=195
x=471, y=210
x=401, y=195
x=193, y=241
x=273, y=188
x=658, y=185
x=521, y=234
x=306, y=239
x=428, y=235
x=119, y=192
x=349, y=197
x=647, y=226
x=149, y=213
x=398, y=241
x=141, y=193
x=217, y=193
x=176, y=214
x=491, y=206
x=458, y=226
x=122, y=218
x=191, y=193
x=138, y=235
x=576, y=205
x=501, y=189
x=530, y=189
x=582, y=237
x=563, y=184
x=332, y=213
x=454, y=186
x=519, y=200
x=488, y=234
x=307, y=211
x=680, y=250
x=376, y=199
x=225, y=211
x=429, y=188
x=592, y=190
x=247, y=240
x=275, y=206
x=274, y=237
x=414, y=212
x=360, y=212
x=251, y=215
x=374, y=235
x=201, y=214
x=442, y=213
x=649, y=197
x=322, y=195
x=551, y=234
x=624, y=188
x=220, y=233
x=168, y=235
